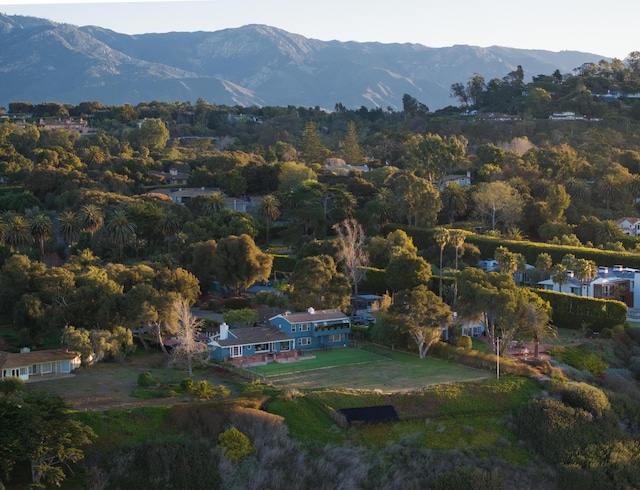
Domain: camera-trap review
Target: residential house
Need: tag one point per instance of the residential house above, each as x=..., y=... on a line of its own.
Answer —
x=29, y=366
x=172, y=177
x=181, y=195
x=629, y=226
x=463, y=180
x=252, y=345
x=315, y=329
x=283, y=340
x=615, y=282
x=362, y=306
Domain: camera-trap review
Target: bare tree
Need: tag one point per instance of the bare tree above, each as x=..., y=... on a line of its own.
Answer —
x=188, y=350
x=352, y=255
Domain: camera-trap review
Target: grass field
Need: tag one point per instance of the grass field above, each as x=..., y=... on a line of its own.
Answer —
x=401, y=372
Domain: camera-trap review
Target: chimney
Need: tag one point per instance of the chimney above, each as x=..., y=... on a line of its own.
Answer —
x=311, y=310
x=224, y=331
x=24, y=350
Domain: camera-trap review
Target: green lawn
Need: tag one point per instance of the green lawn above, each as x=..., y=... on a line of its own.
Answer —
x=403, y=371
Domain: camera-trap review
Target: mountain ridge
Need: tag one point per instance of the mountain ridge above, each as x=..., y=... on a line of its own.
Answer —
x=254, y=64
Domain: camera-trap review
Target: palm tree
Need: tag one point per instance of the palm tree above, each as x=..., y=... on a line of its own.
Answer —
x=270, y=210
x=170, y=225
x=606, y=232
x=91, y=219
x=441, y=236
x=559, y=276
x=69, y=226
x=213, y=204
x=17, y=231
x=41, y=227
x=120, y=228
x=457, y=239
x=534, y=323
x=585, y=271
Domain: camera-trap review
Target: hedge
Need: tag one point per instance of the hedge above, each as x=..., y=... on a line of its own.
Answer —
x=283, y=263
x=423, y=238
x=570, y=311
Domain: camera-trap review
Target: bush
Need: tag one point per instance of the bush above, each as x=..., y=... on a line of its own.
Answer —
x=145, y=379
x=580, y=358
x=465, y=342
x=585, y=397
x=187, y=385
x=605, y=333
x=214, y=305
x=467, y=477
x=235, y=446
x=11, y=385
x=236, y=303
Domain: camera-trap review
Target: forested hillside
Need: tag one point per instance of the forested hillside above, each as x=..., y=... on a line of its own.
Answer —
x=105, y=230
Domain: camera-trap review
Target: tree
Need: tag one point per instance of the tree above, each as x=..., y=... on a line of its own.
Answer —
x=292, y=174
x=407, y=271
x=120, y=229
x=585, y=271
x=352, y=255
x=39, y=428
x=455, y=201
x=188, y=350
x=153, y=135
x=316, y=282
x=69, y=226
x=170, y=226
x=238, y=263
x=16, y=231
x=442, y=237
x=457, y=239
x=91, y=219
x=499, y=202
x=559, y=275
x=534, y=322
x=312, y=149
x=420, y=313
x=41, y=228
x=269, y=209
x=351, y=150
x=244, y=317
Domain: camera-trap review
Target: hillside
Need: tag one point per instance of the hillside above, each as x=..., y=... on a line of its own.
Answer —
x=250, y=65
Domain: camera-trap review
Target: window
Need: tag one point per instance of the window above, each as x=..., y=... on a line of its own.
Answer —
x=47, y=368
x=304, y=341
x=293, y=327
x=336, y=337
x=304, y=327
x=236, y=351
x=285, y=346
x=262, y=348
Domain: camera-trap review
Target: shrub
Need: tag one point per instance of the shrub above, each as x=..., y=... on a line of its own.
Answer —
x=605, y=333
x=214, y=305
x=585, y=397
x=235, y=446
x=236, y=303
x=145, y=379
x=469, y=478
x=11, y=385
x=204, y=390
x=465, y=342
x=187, y=385
x=582, y=359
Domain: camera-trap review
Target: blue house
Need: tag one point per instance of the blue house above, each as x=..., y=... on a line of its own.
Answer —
x=283, y=340
x=315, y=329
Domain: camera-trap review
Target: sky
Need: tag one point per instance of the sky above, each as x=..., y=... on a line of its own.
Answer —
x=554, y=25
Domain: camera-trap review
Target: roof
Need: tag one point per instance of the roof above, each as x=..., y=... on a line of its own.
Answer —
x=313, y=316
x=253, y=335
x=9, y=360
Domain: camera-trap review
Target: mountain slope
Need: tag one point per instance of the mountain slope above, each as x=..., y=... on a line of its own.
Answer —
x=255, y=64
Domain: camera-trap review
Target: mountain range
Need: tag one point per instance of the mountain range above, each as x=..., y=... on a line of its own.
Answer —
x=44, y=61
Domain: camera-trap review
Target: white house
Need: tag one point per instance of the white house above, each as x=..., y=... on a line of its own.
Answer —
x=38, y=364
x=629, y=226
x=615, y=282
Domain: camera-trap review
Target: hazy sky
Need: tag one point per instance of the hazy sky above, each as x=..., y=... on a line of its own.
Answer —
x=555, y=25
